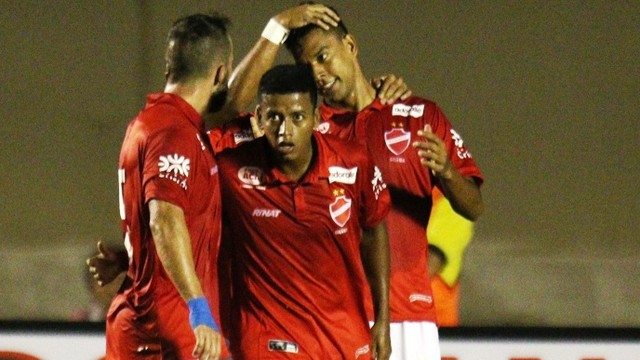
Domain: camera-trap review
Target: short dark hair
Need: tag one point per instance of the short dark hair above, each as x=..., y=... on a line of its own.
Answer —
x=297, y=35
x=194, y=43
x=288, y=79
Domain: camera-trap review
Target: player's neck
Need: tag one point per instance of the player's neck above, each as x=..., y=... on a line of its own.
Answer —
x=362, y=95
x=192, y=92
x=296, y=170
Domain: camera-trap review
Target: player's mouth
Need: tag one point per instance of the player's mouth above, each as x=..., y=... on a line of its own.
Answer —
x=285, y=148
x=325, y=87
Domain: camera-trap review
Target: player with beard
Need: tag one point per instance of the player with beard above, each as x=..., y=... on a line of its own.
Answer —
x=416, y=149
x=303, y=220
x=170, y=207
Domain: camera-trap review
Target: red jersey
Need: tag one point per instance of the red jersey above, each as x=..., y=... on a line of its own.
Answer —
x=298, y=279
x=166, y=156
x=231, y=134
x=389, y=132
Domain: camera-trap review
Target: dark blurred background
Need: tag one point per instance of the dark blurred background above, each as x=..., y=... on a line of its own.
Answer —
x=545, y=94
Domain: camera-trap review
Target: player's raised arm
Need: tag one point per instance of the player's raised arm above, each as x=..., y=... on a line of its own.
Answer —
x=243, y=83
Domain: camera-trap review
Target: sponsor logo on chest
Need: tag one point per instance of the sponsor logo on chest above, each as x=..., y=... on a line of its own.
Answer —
x=342, y=175
x=267, y=213
x=403, y=110
x=251, y=175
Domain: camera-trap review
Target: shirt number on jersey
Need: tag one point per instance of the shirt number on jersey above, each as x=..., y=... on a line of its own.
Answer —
x=123, y=215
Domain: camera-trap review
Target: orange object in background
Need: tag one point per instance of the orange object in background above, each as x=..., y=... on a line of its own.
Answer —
x=446, y=299
x=451, y=234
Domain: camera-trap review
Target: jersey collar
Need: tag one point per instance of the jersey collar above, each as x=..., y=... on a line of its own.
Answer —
x=166, y=98
x=319, y=168
x=328, y=112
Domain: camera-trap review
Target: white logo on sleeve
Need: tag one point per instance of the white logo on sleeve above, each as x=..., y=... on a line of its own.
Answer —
x=403, y=110
x=176, y=168
x=342, y=175
x=377, y=182
x=461, y=151
x=243, y=136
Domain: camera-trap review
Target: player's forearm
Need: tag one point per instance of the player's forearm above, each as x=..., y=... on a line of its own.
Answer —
x=375, y=258
x=243, y=83
x=173, y=246
x=464, y=195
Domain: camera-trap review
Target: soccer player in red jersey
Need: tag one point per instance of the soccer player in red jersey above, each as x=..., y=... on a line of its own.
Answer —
x=170, y=208
x=303, y=219
x=416, y=149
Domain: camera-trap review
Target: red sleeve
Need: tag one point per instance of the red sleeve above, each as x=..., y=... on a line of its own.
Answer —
x=458, y=152
x=376, y=200
x=231, y=134
x=167, y=162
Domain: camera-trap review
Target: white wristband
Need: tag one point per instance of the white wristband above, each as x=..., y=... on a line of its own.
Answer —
x=275, y=32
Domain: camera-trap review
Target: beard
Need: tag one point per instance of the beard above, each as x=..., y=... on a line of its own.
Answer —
x=217, y=101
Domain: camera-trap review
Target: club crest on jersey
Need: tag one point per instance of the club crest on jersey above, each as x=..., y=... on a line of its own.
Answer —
x=323, y=128
x=340, y=210
x=251, y=175
x=175, y=168
x=397, y=140
x=403, y=110
x=342, y=175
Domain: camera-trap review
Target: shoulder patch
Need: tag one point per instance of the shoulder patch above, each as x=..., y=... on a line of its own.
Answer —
x=323, y=128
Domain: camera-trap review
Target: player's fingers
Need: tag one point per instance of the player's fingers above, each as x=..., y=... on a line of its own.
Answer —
x=197, y=349
x=101, y=249
x=325, y=11
x=216, y=346
x=383, y=91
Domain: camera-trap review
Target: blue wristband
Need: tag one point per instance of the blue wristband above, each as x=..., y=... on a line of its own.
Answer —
x=200, y=314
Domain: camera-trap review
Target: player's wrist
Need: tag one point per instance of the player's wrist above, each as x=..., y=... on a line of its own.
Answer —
x=200, y=313
x=275, y=32
x=447, y=172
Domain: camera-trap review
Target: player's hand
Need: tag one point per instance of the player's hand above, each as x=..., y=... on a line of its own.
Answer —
x=381, y=346
x=208, y=343
x=105, y=265
x=433, y=154
x=303, y=15
x=390, y=88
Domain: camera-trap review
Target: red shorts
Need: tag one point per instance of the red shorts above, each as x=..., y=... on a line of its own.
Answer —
x=168, y=337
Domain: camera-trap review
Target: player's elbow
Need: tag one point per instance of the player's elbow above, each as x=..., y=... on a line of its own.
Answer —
x=471, y=211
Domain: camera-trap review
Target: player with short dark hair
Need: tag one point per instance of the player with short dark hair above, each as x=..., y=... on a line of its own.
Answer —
x=170, y=207
x=416, y=149
x=303, y=219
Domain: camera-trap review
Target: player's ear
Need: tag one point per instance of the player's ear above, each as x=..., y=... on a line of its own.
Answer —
x=220, y=75
x=350, y=42
x=258, y=119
